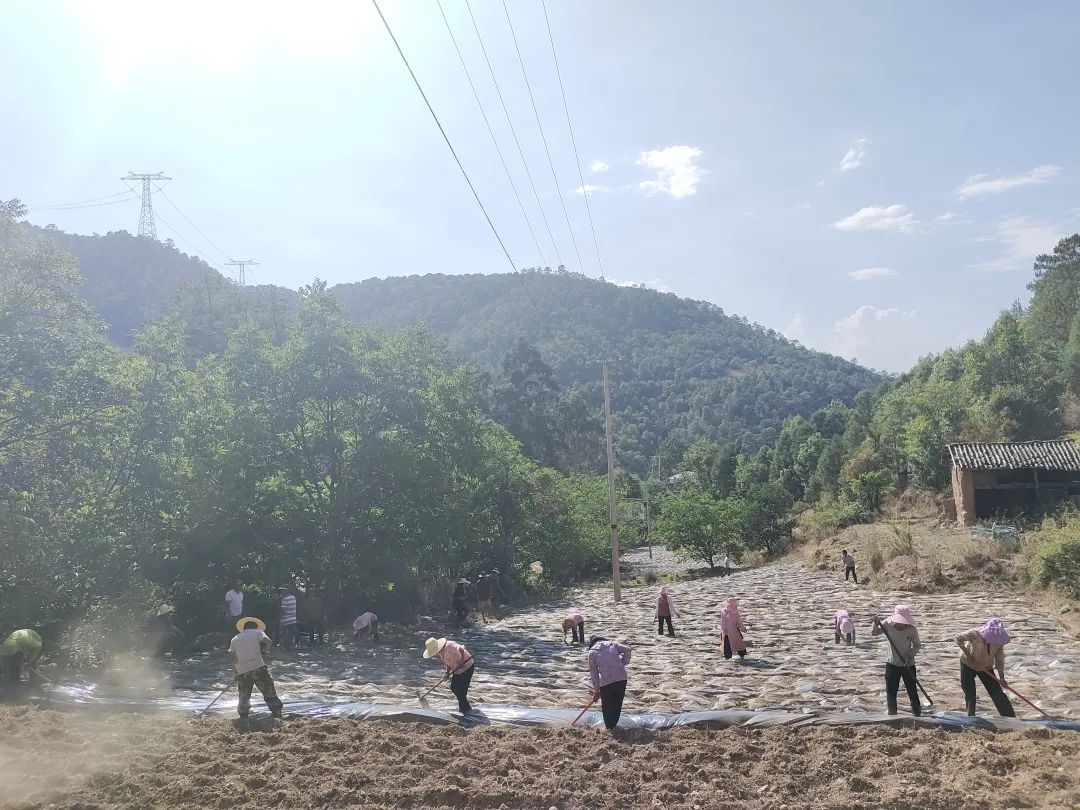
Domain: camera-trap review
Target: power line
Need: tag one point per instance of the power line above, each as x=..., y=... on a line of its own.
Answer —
x=193, y=225
x=543, y=137
x=573, y=141
x=93, y=202
x=491, y=132
x=446, y=138
x=180, y=236
x=513, y=132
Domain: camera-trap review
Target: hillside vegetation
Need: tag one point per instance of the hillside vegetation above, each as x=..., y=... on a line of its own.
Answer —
x=680, y=368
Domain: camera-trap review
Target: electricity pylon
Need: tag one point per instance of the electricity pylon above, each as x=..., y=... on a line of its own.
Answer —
x=147, y=226
x=242, y=263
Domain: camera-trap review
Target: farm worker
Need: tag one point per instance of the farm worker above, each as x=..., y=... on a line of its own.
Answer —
x=366, y=624
x=607, y=667
x=164, y=634
x=497, y=592
x=903, y=644
x=732, y=629
x=665, y=609
x=460, y=599
x=849, y=566
x=234, y=604
x=483, y=596
x=982, y=650
x=247, y=649
x=20, y=649
x=844, y=627
x=287, y=618
x=574, y=624
x=459, y=666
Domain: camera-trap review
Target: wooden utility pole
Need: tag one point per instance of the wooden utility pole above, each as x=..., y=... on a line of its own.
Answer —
x=612, y=513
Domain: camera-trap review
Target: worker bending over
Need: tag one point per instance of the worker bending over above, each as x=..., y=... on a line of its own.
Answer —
x=459, y=666
x=982, y=650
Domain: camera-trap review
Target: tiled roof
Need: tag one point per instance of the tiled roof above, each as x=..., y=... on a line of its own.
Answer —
x=1061, y=454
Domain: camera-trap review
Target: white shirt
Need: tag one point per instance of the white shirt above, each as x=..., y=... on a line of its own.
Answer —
x=363, y=621
x=247, y=645
x=235, y=600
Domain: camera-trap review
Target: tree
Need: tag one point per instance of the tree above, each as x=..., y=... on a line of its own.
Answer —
x=766, y=515
x=697, y=526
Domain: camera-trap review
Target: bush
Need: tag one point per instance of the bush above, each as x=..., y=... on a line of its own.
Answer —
x=828, y=518
x=902, y=541
x=1054, y=554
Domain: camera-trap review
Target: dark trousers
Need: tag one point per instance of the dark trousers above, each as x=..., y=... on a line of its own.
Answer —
x=993, y=688
x=660, y=626
x=850, y=569
x=257, y=678
x=578, y=631
x=728, y=651
x=316, y=629
x=611, y=700
x=459, y=685
x=893, y=676
x=849, y=638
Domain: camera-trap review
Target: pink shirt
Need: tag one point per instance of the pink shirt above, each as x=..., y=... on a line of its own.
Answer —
x=455, y=657
x=576, y=618
x=844, y=624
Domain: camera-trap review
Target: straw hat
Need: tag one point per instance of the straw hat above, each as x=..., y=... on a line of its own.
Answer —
x=259, y=623
x=993, y=632
x=433, y=646
x=901, y=615
x=165, y=610
x=463, y=581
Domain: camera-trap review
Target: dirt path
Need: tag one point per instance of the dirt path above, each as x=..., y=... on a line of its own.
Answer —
x=78, y=761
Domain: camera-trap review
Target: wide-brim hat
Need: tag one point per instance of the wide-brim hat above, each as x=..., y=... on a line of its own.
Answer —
x=433, y=646
x=901, y=615
x=165, y=610
x=259, y=623
x=994, y=632
x=463, y=581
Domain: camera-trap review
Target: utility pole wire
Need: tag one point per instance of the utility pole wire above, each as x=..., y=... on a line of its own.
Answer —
x=573, y=142
x=446, y=138
x=211, y=242
x=93, y=202
x=491, y=132
x=543, y=137
x=510, y=123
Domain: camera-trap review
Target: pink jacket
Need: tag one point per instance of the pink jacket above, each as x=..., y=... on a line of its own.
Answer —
x=455, y=657
x=731, y=625
x=607, y=663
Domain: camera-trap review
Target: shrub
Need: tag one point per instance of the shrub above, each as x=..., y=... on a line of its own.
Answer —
x=828, y=518
x=755, y=559
x=1054, y=553
x=902, y=541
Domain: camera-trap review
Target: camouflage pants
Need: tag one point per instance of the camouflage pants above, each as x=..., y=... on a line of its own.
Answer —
x=261, y=678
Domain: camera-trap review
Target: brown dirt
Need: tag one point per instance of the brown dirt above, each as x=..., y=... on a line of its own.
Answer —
x=57, y=760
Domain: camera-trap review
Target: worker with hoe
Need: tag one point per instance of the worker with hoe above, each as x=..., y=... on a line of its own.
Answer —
x=982, y=649
x=903, y=644
x=20, y=649
x=607, y=668
x=247, y=649
x=459, y=667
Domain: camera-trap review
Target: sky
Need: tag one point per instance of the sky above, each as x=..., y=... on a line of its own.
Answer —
x=871, y=179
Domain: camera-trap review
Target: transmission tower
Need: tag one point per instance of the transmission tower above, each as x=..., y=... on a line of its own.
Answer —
x=147, y=226
x=241, y=264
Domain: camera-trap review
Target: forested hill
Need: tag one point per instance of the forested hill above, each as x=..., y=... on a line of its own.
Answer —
x=680, y=368
x=677, y=365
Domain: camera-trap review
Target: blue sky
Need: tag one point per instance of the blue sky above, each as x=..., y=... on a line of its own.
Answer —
x=872, y=179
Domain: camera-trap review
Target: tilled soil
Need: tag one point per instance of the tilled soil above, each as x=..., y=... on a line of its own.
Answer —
x=81, y=760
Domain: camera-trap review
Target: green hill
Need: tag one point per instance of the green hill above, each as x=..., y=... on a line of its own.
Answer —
x=680, y=368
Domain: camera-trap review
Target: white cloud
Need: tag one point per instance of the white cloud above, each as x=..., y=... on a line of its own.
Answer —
x=677, y=173
x=883, y=335
x=651, y=284
x=1023, y=239
x=979, y=184
x=895, y=218
x=853, y=158
x=589, y=189
x=796, y=328
x=598, y=166
x=868, y=273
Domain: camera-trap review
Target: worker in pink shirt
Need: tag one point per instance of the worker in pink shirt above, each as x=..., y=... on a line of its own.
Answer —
x=843, y=627
x=575, y=625
x=607, y=667
x=459, y=666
